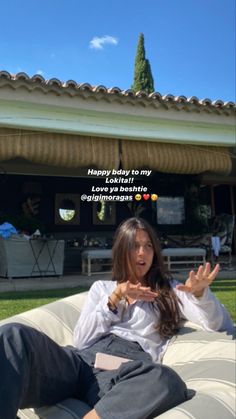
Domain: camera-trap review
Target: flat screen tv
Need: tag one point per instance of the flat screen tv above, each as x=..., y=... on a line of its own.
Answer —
x=170, y=210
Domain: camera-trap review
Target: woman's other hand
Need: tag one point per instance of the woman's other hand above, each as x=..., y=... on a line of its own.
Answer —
x=197, y=282
x=135, y=291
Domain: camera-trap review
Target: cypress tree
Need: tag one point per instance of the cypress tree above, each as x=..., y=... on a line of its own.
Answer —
x=143, y=79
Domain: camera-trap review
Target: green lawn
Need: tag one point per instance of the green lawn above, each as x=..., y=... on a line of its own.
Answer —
x=225, y=290
x=12, y=303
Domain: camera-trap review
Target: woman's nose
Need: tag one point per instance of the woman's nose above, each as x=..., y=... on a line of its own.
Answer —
x=140, y=250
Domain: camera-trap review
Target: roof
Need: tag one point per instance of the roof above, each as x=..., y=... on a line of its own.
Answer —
x=33, y=103
x=155, y=99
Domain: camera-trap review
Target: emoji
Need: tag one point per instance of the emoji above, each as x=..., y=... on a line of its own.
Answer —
x=154, y=197
x=138, y=197
x=146, y=196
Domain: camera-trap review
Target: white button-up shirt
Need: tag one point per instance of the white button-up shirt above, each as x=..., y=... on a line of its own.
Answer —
x=138, y=321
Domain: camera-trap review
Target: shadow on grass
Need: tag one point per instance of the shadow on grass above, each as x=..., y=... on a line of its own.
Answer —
x=223, y=285
x=57, y=293
x=222, y=288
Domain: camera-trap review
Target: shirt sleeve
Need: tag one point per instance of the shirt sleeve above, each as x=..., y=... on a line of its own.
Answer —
x=206, y=311
x=96, y=318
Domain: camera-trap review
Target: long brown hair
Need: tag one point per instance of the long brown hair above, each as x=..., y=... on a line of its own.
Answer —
x=156, y=278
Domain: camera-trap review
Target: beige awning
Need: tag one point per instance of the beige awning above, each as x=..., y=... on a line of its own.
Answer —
x=175, y=158
x=74, y=151
x=60, y=150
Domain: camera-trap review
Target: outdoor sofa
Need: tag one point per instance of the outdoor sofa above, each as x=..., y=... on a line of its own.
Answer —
x=22, y=257
x=205, y=360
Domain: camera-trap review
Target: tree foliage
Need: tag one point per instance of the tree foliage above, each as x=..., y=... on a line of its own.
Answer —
x=143, y=79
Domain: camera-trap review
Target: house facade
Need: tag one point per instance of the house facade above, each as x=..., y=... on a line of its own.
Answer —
x=62, y=140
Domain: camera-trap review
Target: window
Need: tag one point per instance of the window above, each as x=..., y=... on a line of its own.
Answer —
x=67, y=209
x=104, y=213
x=170, y=210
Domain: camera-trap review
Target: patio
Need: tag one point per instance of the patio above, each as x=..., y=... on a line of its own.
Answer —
x=77, y=279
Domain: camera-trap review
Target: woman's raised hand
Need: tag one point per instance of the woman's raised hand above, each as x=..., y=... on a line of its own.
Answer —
x=197, y=282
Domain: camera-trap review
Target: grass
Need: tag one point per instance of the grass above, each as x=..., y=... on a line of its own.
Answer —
x=16, y=302
x=225, y=291
x=12, y=303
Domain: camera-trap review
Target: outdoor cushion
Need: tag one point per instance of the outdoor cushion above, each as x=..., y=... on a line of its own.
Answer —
x=205, y=360
x=20, y=257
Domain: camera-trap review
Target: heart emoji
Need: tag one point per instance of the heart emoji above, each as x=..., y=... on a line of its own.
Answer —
x=146, y=196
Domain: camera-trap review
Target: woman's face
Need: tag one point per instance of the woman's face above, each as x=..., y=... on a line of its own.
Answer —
x=142, y=254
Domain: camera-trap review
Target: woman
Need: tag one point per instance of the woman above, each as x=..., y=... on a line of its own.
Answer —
x=133, y=317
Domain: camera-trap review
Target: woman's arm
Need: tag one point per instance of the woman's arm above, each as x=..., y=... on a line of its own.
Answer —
x=207, y=311
x=103, y=307
x=95, y=318
x=199, y=304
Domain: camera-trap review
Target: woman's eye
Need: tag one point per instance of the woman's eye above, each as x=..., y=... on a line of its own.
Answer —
x=146, y=246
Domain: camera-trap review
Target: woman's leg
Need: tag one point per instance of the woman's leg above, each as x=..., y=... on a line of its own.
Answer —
x=35, y=371
x=141, y=390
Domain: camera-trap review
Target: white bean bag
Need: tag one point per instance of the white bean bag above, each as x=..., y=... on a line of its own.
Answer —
x=205, y=361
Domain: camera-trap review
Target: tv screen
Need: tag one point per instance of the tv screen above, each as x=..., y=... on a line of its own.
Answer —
x=170, y=210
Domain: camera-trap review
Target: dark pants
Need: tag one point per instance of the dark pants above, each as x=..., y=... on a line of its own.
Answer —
x=35, y=372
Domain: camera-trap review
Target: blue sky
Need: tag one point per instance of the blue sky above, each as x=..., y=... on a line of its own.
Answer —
x=189, y=43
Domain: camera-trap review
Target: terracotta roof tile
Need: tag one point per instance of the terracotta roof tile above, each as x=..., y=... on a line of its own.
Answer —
x=38, y=78
x=128, y=92
x=114, y=90
x=54, y=82
x=84, y=86
x=154, y=99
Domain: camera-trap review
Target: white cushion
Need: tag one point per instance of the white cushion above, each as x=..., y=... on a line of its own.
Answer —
x=205, y=360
